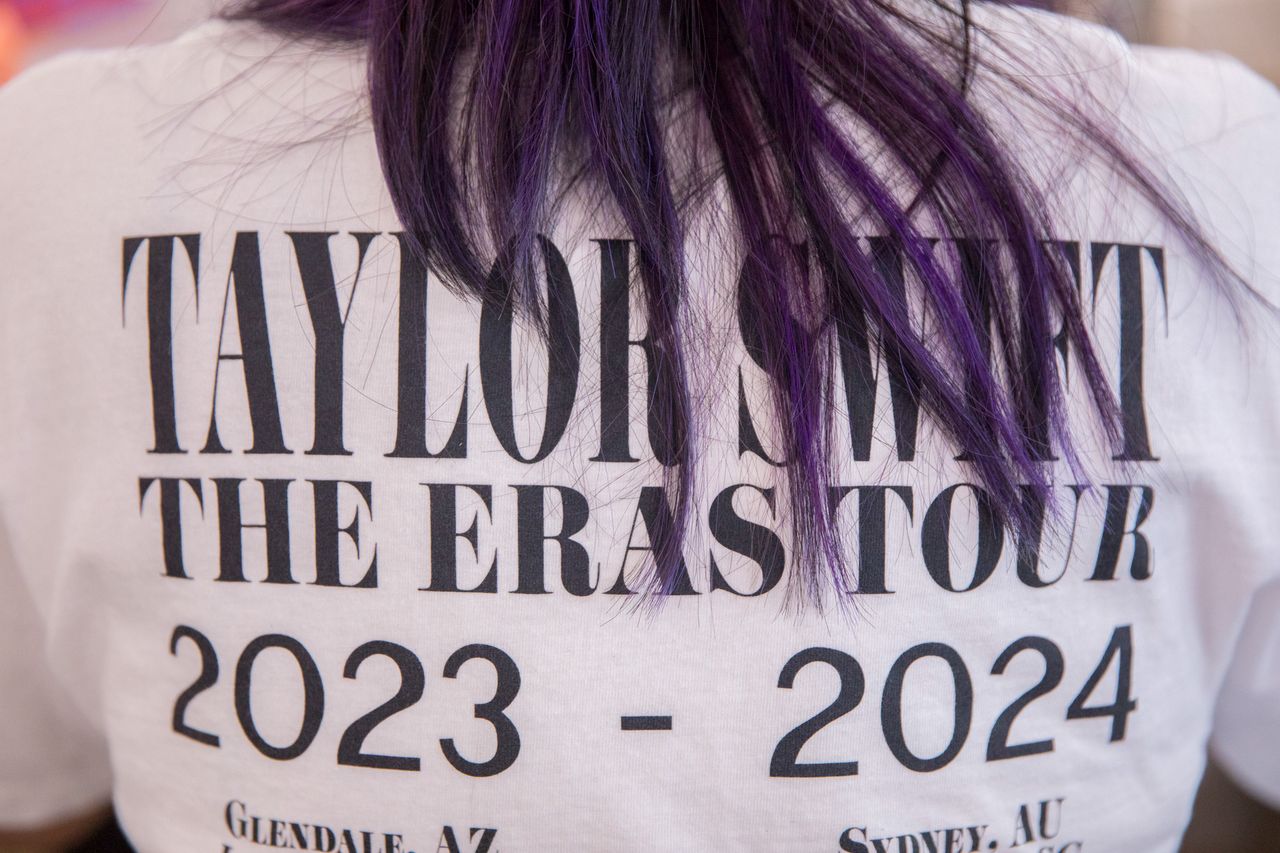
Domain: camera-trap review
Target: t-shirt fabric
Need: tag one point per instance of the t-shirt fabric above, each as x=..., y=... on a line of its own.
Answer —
x=301, y=550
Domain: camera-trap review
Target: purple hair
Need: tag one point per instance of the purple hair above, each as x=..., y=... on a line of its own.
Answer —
x=769, y=77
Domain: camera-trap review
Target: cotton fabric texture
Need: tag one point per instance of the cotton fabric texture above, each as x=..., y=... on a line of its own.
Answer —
x=299, y=550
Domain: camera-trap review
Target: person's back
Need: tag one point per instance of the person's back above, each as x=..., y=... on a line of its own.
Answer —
x=301, y=549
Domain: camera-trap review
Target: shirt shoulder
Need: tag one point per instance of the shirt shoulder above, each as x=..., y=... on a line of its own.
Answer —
x=116, y=139
x=1070, y=55
x=227, y=72
x=1213, y=125
x=71, y=120
x=52, y=94
x=1202, y=128
x=1209, y=95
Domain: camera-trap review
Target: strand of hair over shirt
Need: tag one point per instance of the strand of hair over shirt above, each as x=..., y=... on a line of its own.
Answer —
x=543, y=77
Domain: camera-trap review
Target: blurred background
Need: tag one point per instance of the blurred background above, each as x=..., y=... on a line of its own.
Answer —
x=33, y=29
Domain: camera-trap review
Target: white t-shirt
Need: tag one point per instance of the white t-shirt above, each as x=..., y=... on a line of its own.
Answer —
x=290, y=560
